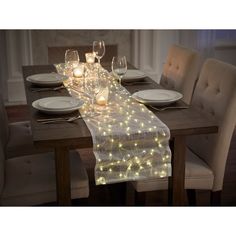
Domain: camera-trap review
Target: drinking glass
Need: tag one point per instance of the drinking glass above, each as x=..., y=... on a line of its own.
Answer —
x=99, y=49
x=119, y=67
x=92, y=88
x=71, y=58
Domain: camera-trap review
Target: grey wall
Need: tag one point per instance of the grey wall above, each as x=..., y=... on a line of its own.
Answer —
x=41, y=39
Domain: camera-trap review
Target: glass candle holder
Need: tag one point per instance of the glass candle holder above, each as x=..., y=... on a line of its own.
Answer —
x=102, y=97
x=78, y=71
x=90, y=58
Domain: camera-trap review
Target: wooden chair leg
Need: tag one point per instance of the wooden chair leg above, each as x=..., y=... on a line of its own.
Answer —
x=216, y=198
x=191, y=193
x=140, y=198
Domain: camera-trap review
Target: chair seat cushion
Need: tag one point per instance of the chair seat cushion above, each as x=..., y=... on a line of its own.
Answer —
x=197, y=176
x=20, y=141
x=31, y=180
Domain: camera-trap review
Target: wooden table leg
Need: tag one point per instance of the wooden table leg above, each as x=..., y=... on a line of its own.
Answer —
x=176, y=185
x=62, y=162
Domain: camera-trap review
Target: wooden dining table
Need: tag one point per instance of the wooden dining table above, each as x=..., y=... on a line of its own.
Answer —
x=62, y=137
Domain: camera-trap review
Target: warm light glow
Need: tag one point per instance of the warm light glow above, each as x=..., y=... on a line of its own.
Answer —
x=78, y=71
x=90, y=58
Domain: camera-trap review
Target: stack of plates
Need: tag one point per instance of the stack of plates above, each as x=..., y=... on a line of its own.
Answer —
x=57, y=105
x=133, y=75
x=158, y=97
x=48, y=79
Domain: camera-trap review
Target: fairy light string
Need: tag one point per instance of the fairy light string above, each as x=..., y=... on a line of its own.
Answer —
x=129, y=141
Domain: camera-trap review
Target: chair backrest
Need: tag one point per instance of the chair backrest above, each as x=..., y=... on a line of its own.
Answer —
x=215, y=93
x=57, y=54
x=181, y=70
x=4, y=127
x=2, y=168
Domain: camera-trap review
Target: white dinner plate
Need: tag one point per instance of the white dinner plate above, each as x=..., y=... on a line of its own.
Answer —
x=133, y=75
x=46, y=79
x=57, y=105
x=159, y=97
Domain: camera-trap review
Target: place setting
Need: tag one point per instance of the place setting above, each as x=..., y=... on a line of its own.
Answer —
x=160, y=99
x=46, y=82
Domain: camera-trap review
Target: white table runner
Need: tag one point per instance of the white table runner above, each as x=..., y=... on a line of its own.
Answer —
x=129, y=141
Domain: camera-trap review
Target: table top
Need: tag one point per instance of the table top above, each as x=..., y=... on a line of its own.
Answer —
x=189, y=121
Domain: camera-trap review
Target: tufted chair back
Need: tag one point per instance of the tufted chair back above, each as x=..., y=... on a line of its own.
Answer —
x=2, y=168
x=181, y=71
x=215, y=93
x=4, y=127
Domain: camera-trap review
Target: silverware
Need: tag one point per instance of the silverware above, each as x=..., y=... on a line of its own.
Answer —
x=47, y=89
x=166, y=108
x=136, y=83
x=59, y=119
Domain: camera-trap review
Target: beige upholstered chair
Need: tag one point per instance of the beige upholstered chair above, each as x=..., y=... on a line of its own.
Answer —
x=31, y=180
x=180, y=71
x=16, y=137
x=57, y=54
x=206, y=155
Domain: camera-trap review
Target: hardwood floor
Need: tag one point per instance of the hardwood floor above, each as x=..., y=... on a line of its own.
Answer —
x=114, y=194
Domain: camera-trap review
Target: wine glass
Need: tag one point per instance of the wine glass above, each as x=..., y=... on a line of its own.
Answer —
x=71, y=58
x=92, y=88
x=99, y=49
x=119, y=67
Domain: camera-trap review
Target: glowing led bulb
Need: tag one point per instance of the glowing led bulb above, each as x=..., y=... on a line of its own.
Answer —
x=120, y=145
x=101, y=168
x=112, y=140
x=135, y=144
x=110, y=154
x=162, y=174
x=98, y=145
x=149, y=163
x=110, y=170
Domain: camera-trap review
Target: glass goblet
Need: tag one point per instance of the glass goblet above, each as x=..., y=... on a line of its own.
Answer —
x=92, y=88
x=99, y=49
x=119, y=67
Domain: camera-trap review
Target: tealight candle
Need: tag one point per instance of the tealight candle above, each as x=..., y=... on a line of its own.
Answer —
x=78, y=71
x=90, y=58
x=102, y=97
x=101, y=101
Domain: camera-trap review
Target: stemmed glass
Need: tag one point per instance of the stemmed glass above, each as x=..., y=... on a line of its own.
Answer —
x=71, y=58
x=119, y=67
x=92, y=88
x=99, y=49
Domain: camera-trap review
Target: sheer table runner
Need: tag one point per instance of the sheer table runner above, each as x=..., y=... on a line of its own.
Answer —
x=129, y=141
